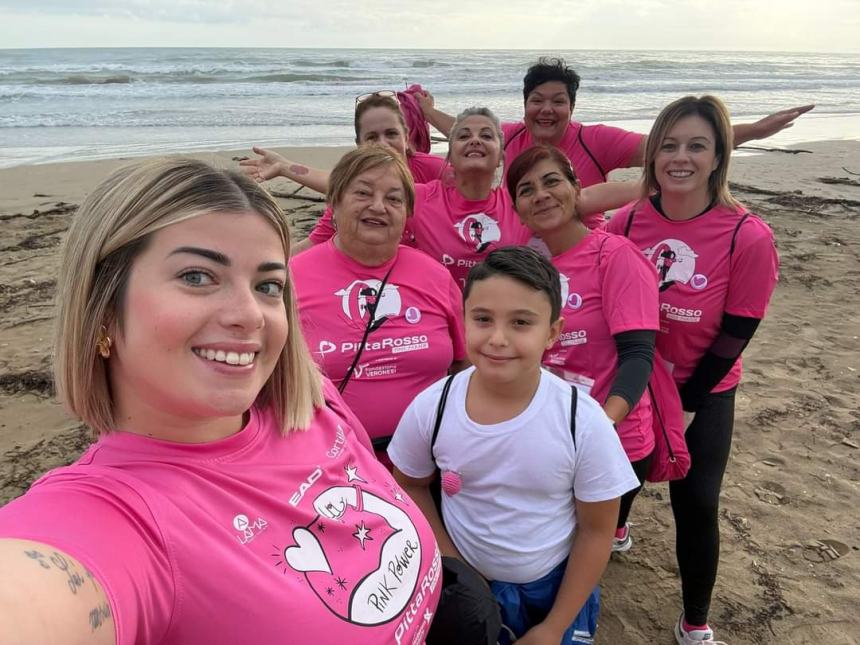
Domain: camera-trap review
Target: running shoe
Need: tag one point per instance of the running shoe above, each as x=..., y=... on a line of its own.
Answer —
x=623, y=543
x=694, y=636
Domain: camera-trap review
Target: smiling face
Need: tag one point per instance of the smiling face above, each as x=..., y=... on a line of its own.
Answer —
x=545, y=198
x=381, y=126
x=475, y=146
x=371, y=212
x=204, y=326
x=508, y=328
x=686, y=158
x=547, y=112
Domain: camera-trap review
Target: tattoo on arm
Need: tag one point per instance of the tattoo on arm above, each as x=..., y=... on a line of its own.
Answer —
x=296, y=169
x=99, y=616
x=56, y=561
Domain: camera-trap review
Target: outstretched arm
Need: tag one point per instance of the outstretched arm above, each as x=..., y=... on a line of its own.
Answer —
x=769, y=125
x=438, y=119
x=270, y=165
x=592, y=543
x=608, y=196
x=46, y=597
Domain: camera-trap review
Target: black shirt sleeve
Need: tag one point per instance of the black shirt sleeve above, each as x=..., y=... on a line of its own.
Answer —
x=735, y=334
x=635, y=358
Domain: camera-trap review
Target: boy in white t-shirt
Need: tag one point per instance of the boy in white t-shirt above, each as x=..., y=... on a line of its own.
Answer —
x=528, y=503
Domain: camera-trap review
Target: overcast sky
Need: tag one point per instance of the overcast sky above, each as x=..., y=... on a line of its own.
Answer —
x=785, y=25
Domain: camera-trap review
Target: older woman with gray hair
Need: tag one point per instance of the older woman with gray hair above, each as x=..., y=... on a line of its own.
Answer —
x=383, y=321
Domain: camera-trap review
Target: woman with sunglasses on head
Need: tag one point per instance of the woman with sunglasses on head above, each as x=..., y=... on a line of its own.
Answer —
x=230, y=496
x=717, y=268
x=609, y=306
x=383, y=321
x=378, y=121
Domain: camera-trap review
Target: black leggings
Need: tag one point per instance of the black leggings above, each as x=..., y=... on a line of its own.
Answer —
x=696, y=500
x=641, y=469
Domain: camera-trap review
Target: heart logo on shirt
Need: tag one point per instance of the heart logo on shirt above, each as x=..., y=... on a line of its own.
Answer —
x=307, y=555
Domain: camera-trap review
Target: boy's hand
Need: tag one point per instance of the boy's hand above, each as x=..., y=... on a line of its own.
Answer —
x=541, y=634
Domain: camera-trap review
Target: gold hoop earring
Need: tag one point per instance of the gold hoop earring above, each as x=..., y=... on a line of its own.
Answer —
x=104, y=342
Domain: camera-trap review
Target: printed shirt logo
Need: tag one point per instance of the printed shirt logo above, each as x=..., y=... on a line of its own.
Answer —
x=675, y=262
x=362, y=296
x=570, y=300
x=361, y=555
x=479, y=230
x=248, y=530
x=413, y=315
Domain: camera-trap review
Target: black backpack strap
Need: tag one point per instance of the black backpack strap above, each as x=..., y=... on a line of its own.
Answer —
x=735, y=234
x=436, y=485
x=588, y=152
x=573, y=399
x=440, y=410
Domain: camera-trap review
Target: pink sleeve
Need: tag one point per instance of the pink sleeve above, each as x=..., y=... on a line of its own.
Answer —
x=613, y=147
x=323, y=229
x=426, y=168
x=630, y=297
x=509, y=128
x=455, y=320
x=754, y=270
x=109, y=529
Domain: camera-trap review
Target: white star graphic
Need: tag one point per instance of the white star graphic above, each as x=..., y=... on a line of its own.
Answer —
x=352, y=474
x=399, y=497
x=361, y=534
x=427, y=616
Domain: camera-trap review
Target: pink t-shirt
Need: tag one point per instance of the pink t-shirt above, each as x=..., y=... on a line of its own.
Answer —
x=607, y=288
x=424, y=168
x=612, y=148
x=412, y=349
x=700, y=278
x=257, y=538
x=459, y=232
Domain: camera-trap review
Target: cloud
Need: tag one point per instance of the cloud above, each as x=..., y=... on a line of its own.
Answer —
x=476, y=24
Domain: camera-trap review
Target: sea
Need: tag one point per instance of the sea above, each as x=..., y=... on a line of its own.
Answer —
x=82, y=104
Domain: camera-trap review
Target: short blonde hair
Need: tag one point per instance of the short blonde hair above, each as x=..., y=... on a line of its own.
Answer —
x=712, y=110
x=365, y=158
x=111, y=228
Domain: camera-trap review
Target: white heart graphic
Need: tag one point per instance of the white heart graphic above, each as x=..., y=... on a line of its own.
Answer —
x=307, y=555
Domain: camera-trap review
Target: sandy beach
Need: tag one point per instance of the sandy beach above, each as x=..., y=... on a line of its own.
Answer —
x=790, y=566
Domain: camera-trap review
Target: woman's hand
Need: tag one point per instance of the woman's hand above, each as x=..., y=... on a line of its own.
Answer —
x=268, y=166
x=769, y=125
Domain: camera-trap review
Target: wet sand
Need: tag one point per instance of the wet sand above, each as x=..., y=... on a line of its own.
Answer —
x=790, y=567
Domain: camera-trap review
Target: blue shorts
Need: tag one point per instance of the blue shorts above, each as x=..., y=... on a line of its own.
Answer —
x=525, y=605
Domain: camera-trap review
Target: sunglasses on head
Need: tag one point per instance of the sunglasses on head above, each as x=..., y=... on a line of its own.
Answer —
x=389, y=94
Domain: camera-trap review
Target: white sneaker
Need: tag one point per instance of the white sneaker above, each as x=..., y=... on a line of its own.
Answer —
x=694, y=636
x=620, y=545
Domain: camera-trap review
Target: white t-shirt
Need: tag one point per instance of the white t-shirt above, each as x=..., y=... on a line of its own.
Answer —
x=513, y=518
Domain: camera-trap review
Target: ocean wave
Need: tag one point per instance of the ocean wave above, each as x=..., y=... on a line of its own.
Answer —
x=316, y=63
x=183, y=77
x=295, y=78
x=83, y=79
x=429, y=63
